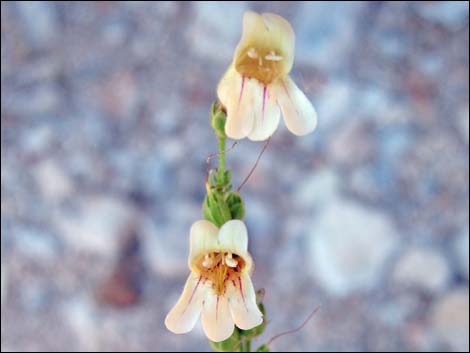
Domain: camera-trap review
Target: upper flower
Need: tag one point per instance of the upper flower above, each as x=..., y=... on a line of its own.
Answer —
x=219, y=284
x=256, y=86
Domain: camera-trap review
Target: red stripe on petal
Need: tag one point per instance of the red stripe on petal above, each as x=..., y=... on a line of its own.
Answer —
x=192, y=295
x=217, y=309
x=241, y=90
x=265, y=90
x=241, y=292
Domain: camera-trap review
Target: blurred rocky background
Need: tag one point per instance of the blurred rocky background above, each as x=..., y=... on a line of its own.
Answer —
x=104, y=134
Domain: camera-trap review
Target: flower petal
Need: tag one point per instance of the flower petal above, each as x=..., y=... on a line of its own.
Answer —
x=184, y=315
x=282, y=33
x=267, y=115
x=229, y=85
x=203, y=239
x=267, y=32
x=216, y=319
x=299, y=115
x=242, y=303
x=233, y=237
x=241, y=111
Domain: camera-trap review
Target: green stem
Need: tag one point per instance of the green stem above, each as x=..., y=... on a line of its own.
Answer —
x=221, y=158
x=248, y=345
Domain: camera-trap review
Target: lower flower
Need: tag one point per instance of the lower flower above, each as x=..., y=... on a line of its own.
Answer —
x=219, y=287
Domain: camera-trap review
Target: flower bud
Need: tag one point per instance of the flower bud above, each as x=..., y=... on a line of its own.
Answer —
x=218, y=118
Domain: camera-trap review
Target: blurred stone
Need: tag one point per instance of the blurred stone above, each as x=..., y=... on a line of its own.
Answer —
x=123, y=287
x=213, y=35
x=353, y=144
x=33, y=295
x=363, y=183
x=461, y=246
x=166, y=245
x=95, y=224
x=4, y=282
x=463, y=122
x=422, y=268
x=40, y=22
x=349, y=245
x=324, y=40
x=36, y=140
x=38, y=100
x=115, y=96
x=119, y=95
x=35, y=243
x=334, y=104
x=260, y=217
x=450, y=319
x=81, y=316
x=317, y=189
x=452, y=14
x=53, y=183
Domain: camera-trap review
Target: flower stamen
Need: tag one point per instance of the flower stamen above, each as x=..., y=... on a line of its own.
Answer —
x=252, y=53
x=230, y=261
x=208, y=262
x=273, y=57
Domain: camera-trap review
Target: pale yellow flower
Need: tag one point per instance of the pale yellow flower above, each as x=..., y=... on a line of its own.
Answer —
x=257, y=87
x=219, y=285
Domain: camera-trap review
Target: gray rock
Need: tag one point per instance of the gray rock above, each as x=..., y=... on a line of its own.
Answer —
x=461, y=244
x=40, y=22
x=352, y=145
x=81, y=316
x=323, y=40
x=422, y=268
x=53, y=182
x=316, y=189
x=349, y=245
x=4, y=282
x=95, y=225
x=452, y=14
x=40, y=100
x=166, y=245
x=35, y=243
x=463, y=123
x=334, y=104
x=450, y=319
x=213, y=35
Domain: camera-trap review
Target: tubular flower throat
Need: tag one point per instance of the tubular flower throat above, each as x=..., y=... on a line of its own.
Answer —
x=219, y=285
x=257, y=87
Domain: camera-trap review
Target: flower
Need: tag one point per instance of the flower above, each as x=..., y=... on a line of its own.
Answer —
x=219, y=285
x=256, y=86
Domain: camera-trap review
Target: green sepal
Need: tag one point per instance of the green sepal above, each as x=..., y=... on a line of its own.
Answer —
x=226, y=180
x=263, y=348
x=215, y=209
x=236, y=205
x=231, y=344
